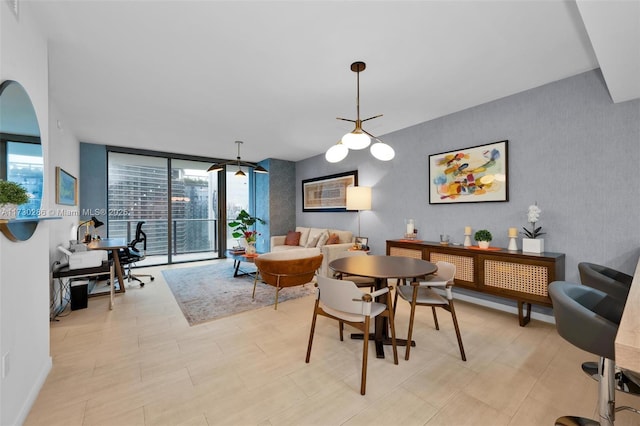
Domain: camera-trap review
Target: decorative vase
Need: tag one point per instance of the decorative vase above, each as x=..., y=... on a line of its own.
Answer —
x=8, y=211
x=533, y=245
x=251, y=247
x=483, y=244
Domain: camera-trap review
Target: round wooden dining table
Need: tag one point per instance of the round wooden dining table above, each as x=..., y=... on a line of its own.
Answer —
x=381, y=268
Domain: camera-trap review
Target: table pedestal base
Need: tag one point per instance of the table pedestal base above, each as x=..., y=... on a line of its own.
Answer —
x=380, y=344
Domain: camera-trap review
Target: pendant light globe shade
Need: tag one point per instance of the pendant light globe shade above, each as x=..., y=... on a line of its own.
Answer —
x=336, y=153
x=356, y=139
x=382, y=151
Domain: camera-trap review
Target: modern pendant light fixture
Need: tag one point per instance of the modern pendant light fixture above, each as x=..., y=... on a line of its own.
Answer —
x=359, y=138
x=238, y=162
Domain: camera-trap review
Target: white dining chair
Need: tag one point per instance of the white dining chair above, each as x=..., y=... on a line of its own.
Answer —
x=342, y=301
x=421, y=293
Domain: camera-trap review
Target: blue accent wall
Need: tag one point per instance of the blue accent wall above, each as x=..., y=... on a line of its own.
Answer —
x=92, y=184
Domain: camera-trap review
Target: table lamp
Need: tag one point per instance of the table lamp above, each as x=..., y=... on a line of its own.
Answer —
x=87, y=236
x=359, y=198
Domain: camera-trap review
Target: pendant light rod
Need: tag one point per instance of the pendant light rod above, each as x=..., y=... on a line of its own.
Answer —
x=358, y=67
x=359, y=138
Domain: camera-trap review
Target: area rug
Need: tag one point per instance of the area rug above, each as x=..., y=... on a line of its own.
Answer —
x=208, y=292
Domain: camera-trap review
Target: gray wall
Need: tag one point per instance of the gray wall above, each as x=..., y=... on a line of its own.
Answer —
x=571, y=150
x=275, y=200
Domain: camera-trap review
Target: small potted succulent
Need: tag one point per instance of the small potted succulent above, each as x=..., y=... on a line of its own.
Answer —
x=12, y=194
x=483, y=237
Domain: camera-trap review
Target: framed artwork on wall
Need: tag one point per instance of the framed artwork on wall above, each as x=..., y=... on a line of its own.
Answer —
x=470, y=175
x=327, y=193
x=66, y=188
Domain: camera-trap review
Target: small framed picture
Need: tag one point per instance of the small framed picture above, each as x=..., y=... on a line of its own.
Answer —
x=362, y=243
x=66, y=188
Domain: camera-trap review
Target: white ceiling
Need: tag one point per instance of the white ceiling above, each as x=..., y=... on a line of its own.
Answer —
x=194, y=76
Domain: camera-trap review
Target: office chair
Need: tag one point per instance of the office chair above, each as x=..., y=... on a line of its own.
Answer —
x=132, y=254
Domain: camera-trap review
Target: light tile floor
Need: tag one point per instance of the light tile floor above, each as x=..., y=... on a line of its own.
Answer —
x=141, y=364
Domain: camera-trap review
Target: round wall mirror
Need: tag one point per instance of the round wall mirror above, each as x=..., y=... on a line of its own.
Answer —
x=21, y=156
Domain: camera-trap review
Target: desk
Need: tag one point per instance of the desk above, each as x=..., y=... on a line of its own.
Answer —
x=65, y=272
x=113, y=245
x=627, y=344
x=380, y=268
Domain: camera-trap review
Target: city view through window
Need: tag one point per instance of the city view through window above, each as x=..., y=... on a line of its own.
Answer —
x=138, y=190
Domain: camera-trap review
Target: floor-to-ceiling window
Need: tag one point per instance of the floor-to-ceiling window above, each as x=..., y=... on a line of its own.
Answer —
x=194, y=210
x=176, y=198
x=138, y=191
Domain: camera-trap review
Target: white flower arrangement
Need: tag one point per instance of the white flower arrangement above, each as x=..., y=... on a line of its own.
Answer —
x=533, y=215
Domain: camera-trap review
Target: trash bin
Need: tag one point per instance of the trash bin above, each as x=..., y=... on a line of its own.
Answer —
x=79, y=294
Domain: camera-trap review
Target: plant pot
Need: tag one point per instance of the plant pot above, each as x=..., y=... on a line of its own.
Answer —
x=533, y=245
x=483, y=244
x=8, y=211
x=251, y=248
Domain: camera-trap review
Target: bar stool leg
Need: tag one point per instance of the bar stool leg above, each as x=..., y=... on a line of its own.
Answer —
x=606, y=392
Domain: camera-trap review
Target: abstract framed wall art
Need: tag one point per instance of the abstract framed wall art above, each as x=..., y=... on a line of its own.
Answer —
x=66, y=188
x=470, y=175
x=327, y=193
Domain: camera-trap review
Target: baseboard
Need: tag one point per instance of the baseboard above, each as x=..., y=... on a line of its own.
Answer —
x=33, y=393
x=502, y=307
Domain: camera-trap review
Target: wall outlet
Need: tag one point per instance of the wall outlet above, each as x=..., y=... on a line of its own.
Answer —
x=5, y=365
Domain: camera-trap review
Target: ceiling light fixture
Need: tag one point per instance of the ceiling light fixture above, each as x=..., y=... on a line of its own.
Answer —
x=216, y=167
x=359, y=138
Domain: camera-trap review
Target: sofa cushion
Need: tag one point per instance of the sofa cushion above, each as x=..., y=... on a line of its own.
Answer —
x=323, y=239
x=314, y=236
x=344, y=236
x=333, y=239
x=304, y=235
x=292, y=239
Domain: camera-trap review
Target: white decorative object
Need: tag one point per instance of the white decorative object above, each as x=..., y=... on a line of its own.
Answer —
x=410, y=226
x=533, y=245
x=483, y=244
x=467, y=236
x=513, y=245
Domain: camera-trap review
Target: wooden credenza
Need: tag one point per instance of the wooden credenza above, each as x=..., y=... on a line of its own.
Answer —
x=523, y=277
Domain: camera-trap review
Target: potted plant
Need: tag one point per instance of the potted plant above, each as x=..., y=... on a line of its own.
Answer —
x=532, y=243
x=12, y=194
x=483, y=237
x=241, y=229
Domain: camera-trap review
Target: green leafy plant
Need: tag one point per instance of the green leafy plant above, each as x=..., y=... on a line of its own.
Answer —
x=12, y=193
x=483, y=235
x=240, y=226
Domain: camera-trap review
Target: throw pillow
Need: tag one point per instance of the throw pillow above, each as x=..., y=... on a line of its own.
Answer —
x=333, y=239
x=313, y=241
x=323, y=239
x=292, y=238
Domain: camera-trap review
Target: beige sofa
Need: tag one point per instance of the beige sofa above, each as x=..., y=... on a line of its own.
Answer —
x=307, y=237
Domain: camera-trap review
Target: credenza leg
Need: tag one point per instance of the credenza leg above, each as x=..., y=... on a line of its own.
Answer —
x=522, y=318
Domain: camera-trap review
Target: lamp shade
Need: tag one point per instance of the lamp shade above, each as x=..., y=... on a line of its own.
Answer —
x=382, y=151
x=356, y=139
x=336, y=153
x=358, y=198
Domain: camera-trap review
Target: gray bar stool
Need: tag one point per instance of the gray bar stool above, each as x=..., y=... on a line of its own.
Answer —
x=615, y=284
x=586, y=318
